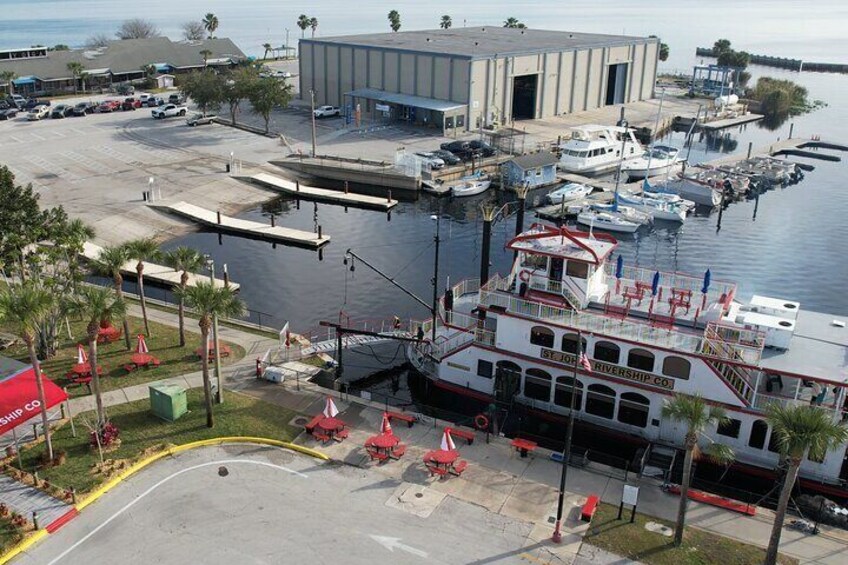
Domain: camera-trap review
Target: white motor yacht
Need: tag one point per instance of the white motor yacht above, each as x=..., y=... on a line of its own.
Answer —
x=597, y=149
x=657, y=161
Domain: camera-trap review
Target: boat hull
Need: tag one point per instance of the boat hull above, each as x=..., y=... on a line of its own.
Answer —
x=601, y=222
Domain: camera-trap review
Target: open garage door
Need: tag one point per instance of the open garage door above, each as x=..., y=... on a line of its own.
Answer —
x=616, y=83
x=524, y=97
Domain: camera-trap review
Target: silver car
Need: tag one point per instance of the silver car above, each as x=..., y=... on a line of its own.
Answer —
x=431, y=161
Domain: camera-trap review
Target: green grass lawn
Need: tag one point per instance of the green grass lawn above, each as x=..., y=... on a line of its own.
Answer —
x=112, y=357
x=9, y=535
x=141, y=431
x=699, y=547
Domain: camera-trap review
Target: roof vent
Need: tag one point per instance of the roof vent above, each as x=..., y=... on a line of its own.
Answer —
x=570, y=35
x=522, y=32
x=483, y=29
x=428, y=40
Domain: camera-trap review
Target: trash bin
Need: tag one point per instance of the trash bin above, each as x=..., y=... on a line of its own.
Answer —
x=168, y=401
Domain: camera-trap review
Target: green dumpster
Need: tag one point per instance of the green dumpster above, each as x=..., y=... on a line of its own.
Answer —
x=168, y=401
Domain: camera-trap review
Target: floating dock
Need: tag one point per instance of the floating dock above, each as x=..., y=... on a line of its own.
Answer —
x=305, y=192
x=223, y=223
x=152, y=272
x=729, y=122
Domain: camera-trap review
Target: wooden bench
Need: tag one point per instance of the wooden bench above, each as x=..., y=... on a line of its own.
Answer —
x=320, y=436
x=310, y=427
x=459, y=467
x=398, y=451
x=467, y=436
x=436, y=470
x=589, y=508
x=524, y=446
x=341, y=435
x=408, y=418
x=374, y=454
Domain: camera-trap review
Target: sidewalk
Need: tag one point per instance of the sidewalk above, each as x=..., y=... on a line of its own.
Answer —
x=25, y=499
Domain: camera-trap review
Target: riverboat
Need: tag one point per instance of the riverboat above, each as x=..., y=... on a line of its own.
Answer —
x=646, y=335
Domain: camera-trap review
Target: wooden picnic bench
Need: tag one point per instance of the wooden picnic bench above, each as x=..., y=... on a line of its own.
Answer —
x=589, y=508
x=379, y=455
x=436, y=470
x=466, y=435
x=310, y=427
x=458, y=467
x=408, y=418
x=524, y=446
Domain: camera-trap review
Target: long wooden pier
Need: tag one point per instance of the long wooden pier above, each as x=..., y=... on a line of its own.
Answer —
x=305, y=192
x=248, y=228
x=153, y=272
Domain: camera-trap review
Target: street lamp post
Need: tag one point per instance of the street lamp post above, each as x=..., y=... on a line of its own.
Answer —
x=217, y=344
x=312, y=101
x=436, y=239
x=566, y=450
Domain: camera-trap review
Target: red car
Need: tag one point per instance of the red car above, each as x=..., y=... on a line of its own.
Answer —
x=109, y=106
x=130, y=104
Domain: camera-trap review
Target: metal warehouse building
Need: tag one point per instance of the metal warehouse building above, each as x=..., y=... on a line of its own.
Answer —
x=464, y=78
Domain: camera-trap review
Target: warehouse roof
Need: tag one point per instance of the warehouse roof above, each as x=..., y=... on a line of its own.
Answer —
x=125, y=56
x=482, y=42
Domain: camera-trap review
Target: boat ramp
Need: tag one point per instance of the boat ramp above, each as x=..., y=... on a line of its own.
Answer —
x=295, y=188
x=274, y=233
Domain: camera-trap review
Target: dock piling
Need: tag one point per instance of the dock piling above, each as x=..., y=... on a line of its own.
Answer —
x=273, y=220
x=218, y=212
x=389, y=196
x=320, y=230
x=347, y=188
x=297, y=185
x=791, y=129
x=750, y=148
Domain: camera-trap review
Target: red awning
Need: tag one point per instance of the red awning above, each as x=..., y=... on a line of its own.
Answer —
x=19, y=398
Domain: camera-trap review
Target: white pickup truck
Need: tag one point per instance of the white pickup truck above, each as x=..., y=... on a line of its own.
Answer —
x=168, y=110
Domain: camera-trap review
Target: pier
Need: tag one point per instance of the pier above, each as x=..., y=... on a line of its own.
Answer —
x=218, y=221
x=295, y=188
x=784, y=63
x=729, y=122
x=152, y=272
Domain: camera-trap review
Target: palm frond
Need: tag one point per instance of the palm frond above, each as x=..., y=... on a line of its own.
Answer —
x=805, y=429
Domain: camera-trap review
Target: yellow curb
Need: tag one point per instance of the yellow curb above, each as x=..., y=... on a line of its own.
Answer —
x=22, y=546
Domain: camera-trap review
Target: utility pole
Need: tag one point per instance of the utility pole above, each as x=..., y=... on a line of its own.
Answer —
x=312, y=100
x=436, y=239
x=286, y=56
x=566, y=450
x=217, y=344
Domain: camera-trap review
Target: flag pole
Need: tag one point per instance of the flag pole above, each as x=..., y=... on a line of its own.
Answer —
x=566, y=450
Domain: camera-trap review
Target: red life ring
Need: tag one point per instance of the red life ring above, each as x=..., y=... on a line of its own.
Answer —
x=481, y=422
x=524, y=275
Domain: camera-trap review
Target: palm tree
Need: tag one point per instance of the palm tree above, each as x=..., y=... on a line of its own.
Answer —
x=446, y=22
x=799, y=430
x=110, y=263
x=394, y=20
x=8, y=77
x=76, y=70
x=142, y=250
x=187, y=260
x=303, y=22
x=313, y=23
x=25, y=307
x=97, y=304
x=514, y=23
x=266, y=47
x=697, y=415
x=210, y=22
x=207, y=300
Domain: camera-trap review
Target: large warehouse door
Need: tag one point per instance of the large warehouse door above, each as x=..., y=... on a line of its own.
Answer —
x=524, y=97
x=616, y=83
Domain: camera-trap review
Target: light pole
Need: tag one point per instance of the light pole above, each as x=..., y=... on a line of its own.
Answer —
x=286, y=56
x=312, y=101
x=436, y=239
x=217, y=345
x=566, y=450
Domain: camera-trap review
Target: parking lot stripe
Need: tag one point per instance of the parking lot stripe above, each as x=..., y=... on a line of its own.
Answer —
x=36, y=136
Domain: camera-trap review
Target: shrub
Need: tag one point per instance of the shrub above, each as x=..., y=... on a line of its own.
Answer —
x=108, y=435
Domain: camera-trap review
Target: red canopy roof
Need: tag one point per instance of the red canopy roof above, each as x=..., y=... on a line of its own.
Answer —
x=19, y=398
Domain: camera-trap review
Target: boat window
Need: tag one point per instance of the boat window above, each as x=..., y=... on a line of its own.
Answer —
x=610, y=149
x=607, y=351
x=577, y=269
x=562, y=393
x=569, y=343
x=773, y=444
x=537, y=385
x=600, y=401
x=532, y=261
x=641, y=359
x=484, y=368
x=729, y=428
x=633, y=409
x=757, y=439
x=540, y=335
x=676, y=367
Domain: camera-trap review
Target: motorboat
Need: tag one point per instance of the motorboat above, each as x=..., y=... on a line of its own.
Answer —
x=701, y=193
x=471, y=185
x=660, y=209
x=660, y=160
x=568, y=192
x=606, y=221
x=595, y=149
x=651, y=192
x=624, y=212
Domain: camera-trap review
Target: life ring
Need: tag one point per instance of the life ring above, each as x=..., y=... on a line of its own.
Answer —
x=524, y=275
x=481, y=422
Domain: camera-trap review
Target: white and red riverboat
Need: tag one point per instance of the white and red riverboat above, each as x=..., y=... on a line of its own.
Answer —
x=647, y=335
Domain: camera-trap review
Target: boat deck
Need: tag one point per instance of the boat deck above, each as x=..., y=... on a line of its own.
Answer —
x=819, y=348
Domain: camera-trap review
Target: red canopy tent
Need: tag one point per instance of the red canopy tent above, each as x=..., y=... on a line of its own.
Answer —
x=19, y=398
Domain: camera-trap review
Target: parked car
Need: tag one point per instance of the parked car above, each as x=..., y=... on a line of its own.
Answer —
x=154, y=101
x=130, y=104
x=143, y=98
x=200, y=119
x=281, y=74
x=446, y=156
x=33, y=102
x=83, y=108
x=18, y=100
x=431, y=161
x=461, y=149
x=8, y=113
x=62, y=111
x=38, y=113
x=125, y=89
x=176, y=99
x=108, y=106
x=327, y=111
x=168, y=110
x=482, y=148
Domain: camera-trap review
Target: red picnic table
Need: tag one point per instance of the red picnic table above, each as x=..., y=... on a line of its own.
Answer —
x=330, y=428
x=633, y=293
x=138, y=360
x=385, y=446
x=225, y=351
x=80, y=373
x=524, y=446
x=441, y=462
x=108, y=334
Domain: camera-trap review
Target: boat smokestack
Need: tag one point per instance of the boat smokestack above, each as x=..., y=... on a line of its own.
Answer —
x=488, y=217
x=521, y=192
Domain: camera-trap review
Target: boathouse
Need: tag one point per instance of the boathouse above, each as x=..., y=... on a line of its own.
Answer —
x=466, y=78
x=533, y=170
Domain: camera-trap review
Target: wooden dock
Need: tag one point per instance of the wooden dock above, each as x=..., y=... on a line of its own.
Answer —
x=248, y=228
x=152, y=272
x=305, y=192
x=729, y=122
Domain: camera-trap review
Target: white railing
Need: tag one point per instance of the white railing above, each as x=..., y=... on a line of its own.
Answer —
x=741, y=344
x=557, y=287
x=675, y=280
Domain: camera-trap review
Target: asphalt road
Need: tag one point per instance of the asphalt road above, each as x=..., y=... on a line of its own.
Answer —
x=247, y=504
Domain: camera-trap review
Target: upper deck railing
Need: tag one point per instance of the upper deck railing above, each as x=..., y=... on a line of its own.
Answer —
x=680, y=281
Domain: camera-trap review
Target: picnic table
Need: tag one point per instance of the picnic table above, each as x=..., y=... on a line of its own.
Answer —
x=225, y=351
x=82, y=370
x=441, y=462
x=680, y=298
x=524, y=446
x=138, y=360
x=108, y=334
x=633, y=293
x=330, y=428
x=385, y=446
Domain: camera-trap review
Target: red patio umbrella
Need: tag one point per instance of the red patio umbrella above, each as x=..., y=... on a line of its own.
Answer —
x=330, y=410
x=447, y=441
x=81, y=356
x=141, y=347
x=386, y=425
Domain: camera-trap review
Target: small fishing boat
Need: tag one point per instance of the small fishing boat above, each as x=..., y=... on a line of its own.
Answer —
x=606, y=221
x=471, y=185
x=660, y=209
x=659, y=160
x=568, y=192
x=624, y=212
x=699, y=192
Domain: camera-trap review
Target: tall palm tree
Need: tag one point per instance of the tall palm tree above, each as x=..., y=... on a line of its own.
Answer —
x=313, y=23
x=109, y=263
x=142, y=250
x=8, y=77
x=514, y=23
x=25, y=307
x=207, y=300
x=394, y=20
x=210, y=22
x=76, y=70
x=446, y=22
x=799, y=430
x=697, y=415
x=303, y=22
x=187, y=260
x=266, y=47
x=97, y=304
